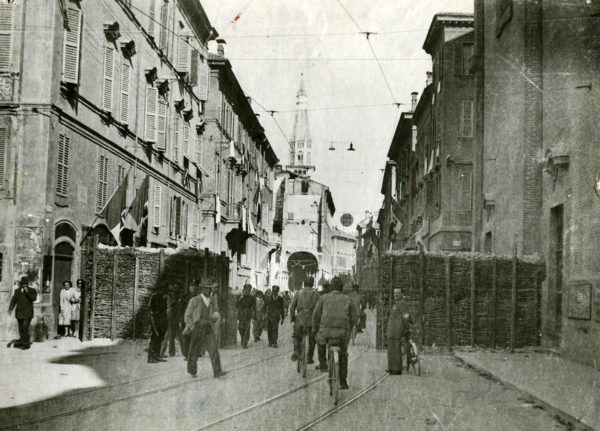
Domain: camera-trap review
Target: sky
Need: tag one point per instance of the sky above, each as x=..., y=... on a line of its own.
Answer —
x=273, y=41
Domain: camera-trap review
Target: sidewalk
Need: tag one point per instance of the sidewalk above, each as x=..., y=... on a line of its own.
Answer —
x=569, y=389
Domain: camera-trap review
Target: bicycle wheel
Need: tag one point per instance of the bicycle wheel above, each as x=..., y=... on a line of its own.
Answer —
x=330, y=372
x=304, y=355
x=336, y=381
x=353, y=334
x=416, y=362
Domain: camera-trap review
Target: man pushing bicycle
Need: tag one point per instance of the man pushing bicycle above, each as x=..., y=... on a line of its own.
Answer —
x=333, y=319
x=301, y=311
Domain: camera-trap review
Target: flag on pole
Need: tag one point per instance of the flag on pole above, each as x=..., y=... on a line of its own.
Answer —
x=113, y=209
x=251, y=230
x=217, y=209
x=134, y=217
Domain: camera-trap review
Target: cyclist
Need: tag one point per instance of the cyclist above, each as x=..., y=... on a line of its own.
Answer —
x=333, y=319
x=304, y=304
x=356, y=298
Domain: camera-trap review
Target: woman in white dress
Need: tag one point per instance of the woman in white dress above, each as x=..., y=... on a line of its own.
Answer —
x=64, y=318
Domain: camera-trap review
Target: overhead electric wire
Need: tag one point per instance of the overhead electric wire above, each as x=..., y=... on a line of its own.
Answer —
x=272, y=114
x=334, y=108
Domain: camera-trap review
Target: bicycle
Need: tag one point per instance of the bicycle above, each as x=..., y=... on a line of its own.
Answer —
x=301, y=363
x=333, y=369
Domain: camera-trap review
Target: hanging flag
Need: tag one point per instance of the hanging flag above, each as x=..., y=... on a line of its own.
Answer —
x=135, y=211
x=251, y=230
x=217, y=209
x=113, y=210
x=244, y=225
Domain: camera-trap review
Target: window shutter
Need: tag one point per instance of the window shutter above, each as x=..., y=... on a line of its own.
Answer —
x=199, y=149
x=157, y=206
x=177, y=215
x=164, y=17
x=467, y=118
x=107, y=85
x=458, y=59
x=194, y=69
x=203, y=79
x=151, y=105
x=6, y=25
x=72, y=41
x=125, y=75
x=183, y=57
x=151, y=17
x=176, y=141
x=102, y=182
x=162, y=125
x=62, y=172
x=186, y=137
x=3, y=154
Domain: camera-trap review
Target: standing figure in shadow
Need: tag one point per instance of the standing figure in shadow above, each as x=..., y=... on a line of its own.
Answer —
x=398, y=332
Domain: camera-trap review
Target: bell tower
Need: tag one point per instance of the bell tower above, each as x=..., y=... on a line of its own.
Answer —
x=301, y=153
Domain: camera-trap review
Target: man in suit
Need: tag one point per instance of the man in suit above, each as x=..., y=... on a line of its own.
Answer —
x=200, y=314
x=22, y=301
x=275, y=314
x=333, y=318
x=301, y=311
x=159, y=322
x=246, y=307
x=357, y=300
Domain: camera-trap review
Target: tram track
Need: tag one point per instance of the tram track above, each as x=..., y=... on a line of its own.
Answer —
x=305, y=385
x=142, y=394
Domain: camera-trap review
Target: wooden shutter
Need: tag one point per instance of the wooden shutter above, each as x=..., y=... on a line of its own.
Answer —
x=157, y=205
x=186, y=138
x=151, y=107
x=72, y=41
x=176, y=141
x=194, y=68
x=467, y=119
x=164, y=17
x=203, y=79
x=183, y=56
x=3, y=154
x=102, y=182
x=6, y=26
x=151, y=18
x=199, y=149
x=107, y=84
x=161, y=141
x=125, y=79
x=62, y=172
x=178, y=215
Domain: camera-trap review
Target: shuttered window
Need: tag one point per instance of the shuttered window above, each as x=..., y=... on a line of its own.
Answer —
x=161, y=142
x=125, y=80
x=107, y=83
x=102, y=182
x=186, y=139
x=151, y=18
x=164, y=19
x=199, y=149
x=72, y=41
x=151, y=107
x=120, y=174
x=62, y=172
x=157, y=204
x=203, y=79
x=183, y=55
x=6, y=25
x=466, y=119
x=194, y=68
x=3, y=155
x=176, y=140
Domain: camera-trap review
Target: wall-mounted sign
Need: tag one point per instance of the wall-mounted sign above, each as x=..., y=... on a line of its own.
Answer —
x=580, y=301
x=346, y=219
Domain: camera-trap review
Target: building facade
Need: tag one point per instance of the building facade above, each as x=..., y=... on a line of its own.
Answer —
x=343, y=252
x=101, y=111
x=427, y=184
x=236, y=200
x=538, y=166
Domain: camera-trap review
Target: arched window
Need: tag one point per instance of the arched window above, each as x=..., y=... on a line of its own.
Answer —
x=65, y=229
x=300, y=157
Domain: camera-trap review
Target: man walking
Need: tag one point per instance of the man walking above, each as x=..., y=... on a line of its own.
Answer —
x=202, y=311
x=301, y=312
x=158, y=322
x=275, y=315
x=333, y=318
x=257, y=325
x=246, y=307
x=356, y=299
x=398, y=333
x=23, y=300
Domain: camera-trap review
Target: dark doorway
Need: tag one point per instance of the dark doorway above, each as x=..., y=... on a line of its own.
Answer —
x=555, y=270
x=487, y=244
x=63, y=261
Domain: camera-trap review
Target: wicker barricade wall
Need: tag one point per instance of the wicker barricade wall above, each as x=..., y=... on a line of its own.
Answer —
x=464, y=298
x=120, y=282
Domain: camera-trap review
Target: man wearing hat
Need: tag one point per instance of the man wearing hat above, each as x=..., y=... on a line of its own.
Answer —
x=275, y=314
x=200, y=315
x=397, y=334
x=159, y=322
x=22, y=301
x=246, y=307
x=356, y=299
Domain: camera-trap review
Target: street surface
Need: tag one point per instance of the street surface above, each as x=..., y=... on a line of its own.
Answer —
x=262, y=391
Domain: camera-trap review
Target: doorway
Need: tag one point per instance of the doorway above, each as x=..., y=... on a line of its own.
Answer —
x=555, y=294
x=62, y=270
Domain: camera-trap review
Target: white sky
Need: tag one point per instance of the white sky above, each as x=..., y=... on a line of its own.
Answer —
x=268, y=68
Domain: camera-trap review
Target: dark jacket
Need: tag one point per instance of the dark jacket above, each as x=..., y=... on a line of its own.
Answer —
x=303, y=305
x=246, y=306
x=334, y=313
x=158, y=307
x=23, y=299
x=274, y=308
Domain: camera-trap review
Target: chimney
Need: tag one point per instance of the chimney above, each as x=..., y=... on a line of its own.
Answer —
x=429, y=79
x=413, y=100
x=221, y=47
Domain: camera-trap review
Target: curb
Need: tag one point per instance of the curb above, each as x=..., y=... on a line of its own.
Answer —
x=558, y=414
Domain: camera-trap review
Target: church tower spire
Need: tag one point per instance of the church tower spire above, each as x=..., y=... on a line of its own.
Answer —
x=301, y=152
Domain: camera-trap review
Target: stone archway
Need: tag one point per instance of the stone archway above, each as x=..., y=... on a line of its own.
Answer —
x=300, y=265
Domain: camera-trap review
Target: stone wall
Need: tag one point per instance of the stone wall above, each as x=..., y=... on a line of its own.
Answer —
x=464, y=298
